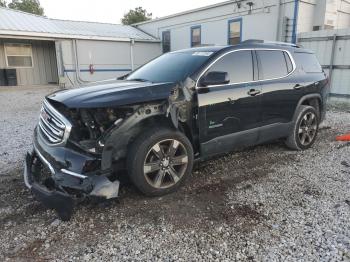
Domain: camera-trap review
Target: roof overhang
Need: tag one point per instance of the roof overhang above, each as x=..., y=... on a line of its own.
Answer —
x=52, y=37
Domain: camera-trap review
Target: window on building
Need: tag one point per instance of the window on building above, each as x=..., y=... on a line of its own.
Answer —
x=195, y=36
x=273, y=64
x=234, y=31
x=19, y=55
x=238, y=65
x=328, y=27
x=166, y=41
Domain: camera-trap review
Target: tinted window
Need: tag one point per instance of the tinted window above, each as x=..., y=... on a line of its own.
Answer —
x=289, y=62
x=272, y=64
x=238, y=65
x=308, y=62
x=171, y=67
x=166, y=41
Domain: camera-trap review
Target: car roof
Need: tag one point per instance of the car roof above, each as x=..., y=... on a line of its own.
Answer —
x=245, y=45
x=212, y=48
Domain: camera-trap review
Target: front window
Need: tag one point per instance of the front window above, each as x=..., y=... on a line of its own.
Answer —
x=234, y=31
x=171, y=67
x=238, y=65
x=19, y=55
x=195, y=36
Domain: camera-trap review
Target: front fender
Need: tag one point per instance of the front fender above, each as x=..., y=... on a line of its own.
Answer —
x=116, y=141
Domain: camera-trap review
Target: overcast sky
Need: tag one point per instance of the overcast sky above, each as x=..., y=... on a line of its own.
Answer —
x=111, y=11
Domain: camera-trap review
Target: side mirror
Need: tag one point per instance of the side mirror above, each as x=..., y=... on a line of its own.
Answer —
x=215, y=78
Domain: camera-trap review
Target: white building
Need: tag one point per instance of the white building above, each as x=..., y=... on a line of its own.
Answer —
x=233, y=21
x=36, y=50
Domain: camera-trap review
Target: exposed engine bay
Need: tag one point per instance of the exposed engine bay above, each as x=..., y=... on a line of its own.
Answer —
x=89, y=126
x=92, y=128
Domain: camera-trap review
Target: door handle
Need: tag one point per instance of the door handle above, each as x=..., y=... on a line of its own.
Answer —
x=253, y=92
x=231, y=100
x=297, y=87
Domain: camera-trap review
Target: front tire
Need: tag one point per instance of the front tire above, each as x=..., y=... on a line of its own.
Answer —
x=305, y=129
x=159, y=161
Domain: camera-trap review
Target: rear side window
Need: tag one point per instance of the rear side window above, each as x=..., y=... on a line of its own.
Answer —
x=238, y=65
x=308, y=62
x=289, y=62
x=273, y=64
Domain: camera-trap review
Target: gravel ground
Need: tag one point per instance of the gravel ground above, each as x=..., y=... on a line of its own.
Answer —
x=19, y=114
x=262, y=204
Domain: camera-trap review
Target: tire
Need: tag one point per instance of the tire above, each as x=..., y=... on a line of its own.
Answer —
x=305, y=129
x=159, y=161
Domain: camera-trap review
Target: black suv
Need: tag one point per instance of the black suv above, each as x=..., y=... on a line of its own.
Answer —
x=182, y=106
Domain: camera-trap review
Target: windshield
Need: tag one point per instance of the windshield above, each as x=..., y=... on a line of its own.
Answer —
x=171, y=67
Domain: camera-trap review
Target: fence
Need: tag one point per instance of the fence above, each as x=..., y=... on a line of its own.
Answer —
x=332, y=48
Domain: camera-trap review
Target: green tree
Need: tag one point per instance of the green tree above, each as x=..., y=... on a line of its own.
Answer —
x=29, y=6
x=2, y=3
x=135, y=16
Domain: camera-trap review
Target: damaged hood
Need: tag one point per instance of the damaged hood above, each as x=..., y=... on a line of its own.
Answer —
x=113, y=94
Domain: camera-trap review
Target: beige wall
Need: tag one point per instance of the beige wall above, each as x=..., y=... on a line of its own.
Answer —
x=44, y=70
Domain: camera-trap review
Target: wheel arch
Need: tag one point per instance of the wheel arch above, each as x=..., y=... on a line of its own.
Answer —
x=314, y=100
x=118, y=143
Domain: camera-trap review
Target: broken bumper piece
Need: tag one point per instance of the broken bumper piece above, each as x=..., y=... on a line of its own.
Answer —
x=59, y=189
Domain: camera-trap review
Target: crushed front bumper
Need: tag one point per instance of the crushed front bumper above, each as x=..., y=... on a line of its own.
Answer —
x=59, y=188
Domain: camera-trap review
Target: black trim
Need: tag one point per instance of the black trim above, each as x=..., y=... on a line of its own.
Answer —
x=255, y=136
x=62, y=203
x=308, y=97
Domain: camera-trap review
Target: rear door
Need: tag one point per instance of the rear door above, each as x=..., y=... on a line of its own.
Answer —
x=280, y=89
x=228, y=114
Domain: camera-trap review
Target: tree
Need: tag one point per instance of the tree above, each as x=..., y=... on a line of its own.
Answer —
x=135, y=16
x=29, y=6
x=2, y=3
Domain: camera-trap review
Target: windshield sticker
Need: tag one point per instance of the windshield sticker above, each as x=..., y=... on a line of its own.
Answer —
x=202, y=53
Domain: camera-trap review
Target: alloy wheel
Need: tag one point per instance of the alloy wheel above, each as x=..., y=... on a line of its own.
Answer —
x=165, y=163
x=307, y=129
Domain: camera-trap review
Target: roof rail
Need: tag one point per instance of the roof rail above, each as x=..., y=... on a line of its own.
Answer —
x=258, y=41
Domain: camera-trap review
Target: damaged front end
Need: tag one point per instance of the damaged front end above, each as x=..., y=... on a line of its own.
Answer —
x=78, y=152
x=65, y=164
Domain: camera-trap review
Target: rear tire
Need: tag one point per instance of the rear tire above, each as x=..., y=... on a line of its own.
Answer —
x=305, y=129
x=159, y=161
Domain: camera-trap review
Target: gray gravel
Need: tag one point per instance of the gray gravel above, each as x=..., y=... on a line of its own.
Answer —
x=19, y=112
x=261, y=204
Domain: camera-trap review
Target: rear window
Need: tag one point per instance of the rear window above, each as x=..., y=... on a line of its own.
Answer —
x=308, y=62
x=273, y=64
x=289, y=62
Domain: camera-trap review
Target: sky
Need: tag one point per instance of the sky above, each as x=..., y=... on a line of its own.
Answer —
x=111, y=11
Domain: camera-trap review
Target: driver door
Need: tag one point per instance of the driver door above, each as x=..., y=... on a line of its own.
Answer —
x=229, y=114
